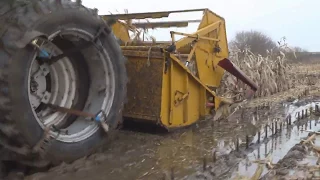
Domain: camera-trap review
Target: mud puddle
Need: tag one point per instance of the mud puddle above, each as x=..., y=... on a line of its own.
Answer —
x=281, y=144
x=135, y=155
x=278, y=147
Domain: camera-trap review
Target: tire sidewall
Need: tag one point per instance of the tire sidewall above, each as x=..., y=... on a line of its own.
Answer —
x=21, y=62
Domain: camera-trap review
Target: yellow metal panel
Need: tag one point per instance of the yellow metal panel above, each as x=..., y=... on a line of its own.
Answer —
x=165, y=97
x=201, y=32
x=176, y=60
x=121, y=31
x=176, y=83
x=209, y=72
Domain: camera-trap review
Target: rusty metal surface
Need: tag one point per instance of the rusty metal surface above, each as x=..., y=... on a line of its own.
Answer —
x=234, y=70
x=144, y=87
x=145, y=15
x=151, y=25
x=142, y=48
x=146, y=48
x=142, y=51
x=158, y=44
x=143, y=54
x=151, y=43
x=165, y=24
x=71, y=111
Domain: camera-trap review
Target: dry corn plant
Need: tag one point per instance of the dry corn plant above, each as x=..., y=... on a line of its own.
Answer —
x=270, y=73
x=141, y=35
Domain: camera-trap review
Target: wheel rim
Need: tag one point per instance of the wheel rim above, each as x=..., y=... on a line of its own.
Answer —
x=56, y=84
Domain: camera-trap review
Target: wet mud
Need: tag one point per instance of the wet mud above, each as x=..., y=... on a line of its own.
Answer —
x=207, y=150
x=302, y=160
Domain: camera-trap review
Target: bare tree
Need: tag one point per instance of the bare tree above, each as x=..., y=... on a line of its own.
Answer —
x=258, y=42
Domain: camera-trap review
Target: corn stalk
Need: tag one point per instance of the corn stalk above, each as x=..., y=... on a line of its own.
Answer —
x=269, y=72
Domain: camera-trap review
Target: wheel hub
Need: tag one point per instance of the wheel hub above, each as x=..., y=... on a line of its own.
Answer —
x=62, y=84
x=34, y=86
x=38, y=85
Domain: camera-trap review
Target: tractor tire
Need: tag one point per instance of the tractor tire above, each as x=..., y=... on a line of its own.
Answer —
x=90, y=80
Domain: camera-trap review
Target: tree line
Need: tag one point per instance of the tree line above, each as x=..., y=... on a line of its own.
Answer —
x=260, y=43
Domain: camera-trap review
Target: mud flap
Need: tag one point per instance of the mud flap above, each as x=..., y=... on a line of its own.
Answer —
x=234, y=70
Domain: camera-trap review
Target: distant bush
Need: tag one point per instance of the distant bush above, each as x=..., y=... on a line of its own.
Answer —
x=297, y=54
x=256, y=41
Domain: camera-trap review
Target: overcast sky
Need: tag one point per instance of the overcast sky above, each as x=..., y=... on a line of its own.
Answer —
x=297, y=20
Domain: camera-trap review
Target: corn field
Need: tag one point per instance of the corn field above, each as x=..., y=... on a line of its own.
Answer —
x=270, y=73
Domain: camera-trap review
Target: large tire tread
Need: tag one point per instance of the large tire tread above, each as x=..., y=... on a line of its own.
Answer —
x=15, y=20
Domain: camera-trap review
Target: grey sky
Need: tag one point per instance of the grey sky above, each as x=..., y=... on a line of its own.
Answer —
x=298, y=20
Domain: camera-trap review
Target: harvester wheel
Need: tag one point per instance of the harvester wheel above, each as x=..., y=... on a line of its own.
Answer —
x=92, y=79
x=2, y=170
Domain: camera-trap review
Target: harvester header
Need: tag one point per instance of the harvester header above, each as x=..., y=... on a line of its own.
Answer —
x=171, y=82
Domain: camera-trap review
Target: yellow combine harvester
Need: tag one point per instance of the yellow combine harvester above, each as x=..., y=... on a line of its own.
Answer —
x=63, y=77
x=171, y=83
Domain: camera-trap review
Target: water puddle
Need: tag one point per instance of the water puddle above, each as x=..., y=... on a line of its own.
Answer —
x=279, y=146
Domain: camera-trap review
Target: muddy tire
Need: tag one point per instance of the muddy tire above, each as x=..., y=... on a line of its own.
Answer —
x=91, y=80
x=2, y=171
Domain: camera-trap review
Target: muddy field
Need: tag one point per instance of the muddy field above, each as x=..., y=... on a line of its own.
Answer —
x=257, y=139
